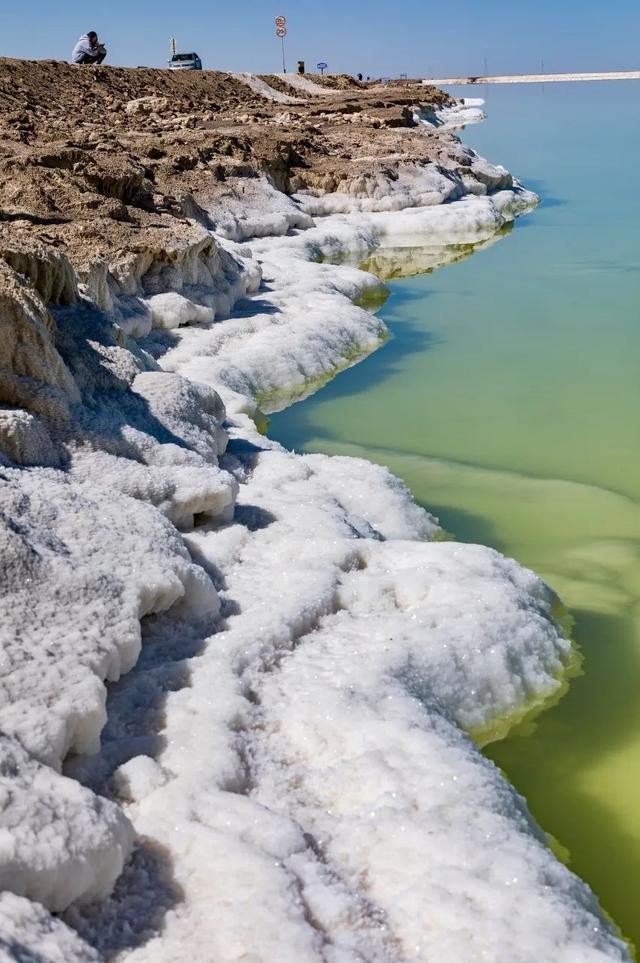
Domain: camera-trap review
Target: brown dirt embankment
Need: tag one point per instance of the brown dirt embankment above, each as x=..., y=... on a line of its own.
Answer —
x=94, y=159
x=108, y=175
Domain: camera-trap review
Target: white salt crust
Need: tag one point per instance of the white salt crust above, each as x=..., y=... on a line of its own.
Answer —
x=294, y=659
x=463, y=112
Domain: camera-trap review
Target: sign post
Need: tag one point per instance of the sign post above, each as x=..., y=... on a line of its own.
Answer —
x=281, y=31
x=322, y=66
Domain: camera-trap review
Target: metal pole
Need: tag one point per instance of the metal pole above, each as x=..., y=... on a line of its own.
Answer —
x=284, y=66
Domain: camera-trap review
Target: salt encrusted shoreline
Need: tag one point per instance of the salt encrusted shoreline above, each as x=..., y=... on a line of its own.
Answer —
x=299, y=656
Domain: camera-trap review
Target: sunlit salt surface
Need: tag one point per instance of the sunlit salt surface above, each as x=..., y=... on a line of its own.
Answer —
x=509, y=400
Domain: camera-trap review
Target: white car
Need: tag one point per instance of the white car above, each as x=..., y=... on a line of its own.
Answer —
x=185, y=61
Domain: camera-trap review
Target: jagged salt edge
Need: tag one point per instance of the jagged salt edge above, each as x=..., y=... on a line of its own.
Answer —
x=195, y=795
x=304, y=347
x=289, y=850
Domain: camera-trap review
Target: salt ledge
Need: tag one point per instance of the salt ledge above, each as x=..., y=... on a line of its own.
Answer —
x=298, y=655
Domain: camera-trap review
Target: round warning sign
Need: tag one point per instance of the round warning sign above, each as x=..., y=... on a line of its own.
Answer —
x=281, y=32
x=281, y=21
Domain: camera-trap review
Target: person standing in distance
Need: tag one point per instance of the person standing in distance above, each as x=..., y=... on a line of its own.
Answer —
x=89, y=50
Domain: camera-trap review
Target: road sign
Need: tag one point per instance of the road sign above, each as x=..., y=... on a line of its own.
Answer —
x=281, y=33
x=322, y=66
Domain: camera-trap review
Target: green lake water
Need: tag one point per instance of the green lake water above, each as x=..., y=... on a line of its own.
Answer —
x=508, y=398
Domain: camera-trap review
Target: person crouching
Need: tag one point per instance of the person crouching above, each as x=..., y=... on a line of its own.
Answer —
x=89, y=50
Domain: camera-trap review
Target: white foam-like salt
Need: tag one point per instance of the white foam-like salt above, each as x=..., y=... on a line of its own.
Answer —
x=459, y=114
x=289, y=742
x=59, y=841
x=317, y=745
x=30, y=934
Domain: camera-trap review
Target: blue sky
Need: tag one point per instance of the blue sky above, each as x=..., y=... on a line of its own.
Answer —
x=418, y=37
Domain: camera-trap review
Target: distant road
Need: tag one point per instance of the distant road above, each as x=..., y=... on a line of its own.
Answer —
x=537, y=78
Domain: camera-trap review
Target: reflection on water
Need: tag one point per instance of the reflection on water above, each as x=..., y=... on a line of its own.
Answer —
x=391, y=263
x=509, y=400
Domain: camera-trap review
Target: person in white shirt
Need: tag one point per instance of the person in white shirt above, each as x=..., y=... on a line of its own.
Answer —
x=89, y=50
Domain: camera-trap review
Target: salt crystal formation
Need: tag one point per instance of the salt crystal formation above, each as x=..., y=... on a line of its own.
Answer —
x=238, y=683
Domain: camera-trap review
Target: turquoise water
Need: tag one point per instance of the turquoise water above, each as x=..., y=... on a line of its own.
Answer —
x=508, y=398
